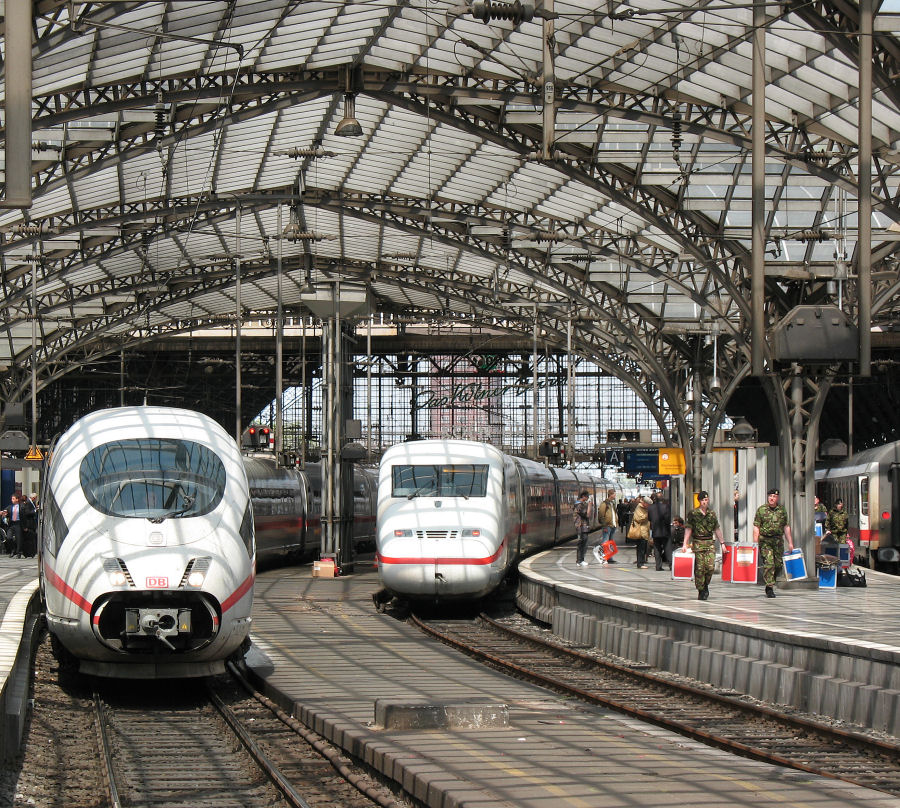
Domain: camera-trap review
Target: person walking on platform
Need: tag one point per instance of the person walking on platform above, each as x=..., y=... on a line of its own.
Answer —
x=660, y=528
x=582, y=516
x=837, y=522
x=769, y=526
x=623, y=514
x=676, y=538
x=21, y=517
x=837, y=526
x=640, y=530
x=608, y=519
x=701, y=529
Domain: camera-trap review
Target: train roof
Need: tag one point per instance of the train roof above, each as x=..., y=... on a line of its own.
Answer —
x=859, y=462
x=451, y=448
x=122, y=423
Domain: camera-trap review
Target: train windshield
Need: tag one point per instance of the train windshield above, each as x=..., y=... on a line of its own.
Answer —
x=153, y=478
x=458, y=480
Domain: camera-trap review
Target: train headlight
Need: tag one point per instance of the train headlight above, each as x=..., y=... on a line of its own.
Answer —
x=196, y=579
x=403, y=533
x=195, y=572
x=117, y=572
x=117, y=578
x=471, y=533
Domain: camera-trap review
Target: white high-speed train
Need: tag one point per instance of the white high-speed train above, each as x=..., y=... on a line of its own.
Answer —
x=453, y=516
x=146, y=544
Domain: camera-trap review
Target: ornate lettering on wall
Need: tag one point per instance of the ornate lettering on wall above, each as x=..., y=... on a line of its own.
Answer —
x=470, y=394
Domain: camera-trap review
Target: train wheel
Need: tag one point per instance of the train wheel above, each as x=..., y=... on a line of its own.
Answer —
x=68, y=664
x=238, y=655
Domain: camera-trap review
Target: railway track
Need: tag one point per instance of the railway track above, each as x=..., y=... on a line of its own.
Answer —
x=174, y=744
x=718, y=719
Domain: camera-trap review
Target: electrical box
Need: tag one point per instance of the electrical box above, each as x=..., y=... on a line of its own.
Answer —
x=815, y=334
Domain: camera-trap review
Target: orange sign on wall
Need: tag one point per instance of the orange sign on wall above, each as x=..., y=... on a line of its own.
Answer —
x=671, y=461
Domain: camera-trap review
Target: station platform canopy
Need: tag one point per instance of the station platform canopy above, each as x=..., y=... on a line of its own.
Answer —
x=581, y=167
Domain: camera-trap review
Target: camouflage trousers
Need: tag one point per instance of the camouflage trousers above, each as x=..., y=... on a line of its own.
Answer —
x=771, y=552
x=704, y=561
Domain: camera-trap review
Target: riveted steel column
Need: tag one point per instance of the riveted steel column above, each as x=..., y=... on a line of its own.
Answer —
x=279, y=353
x=758, y=244
x=331, y=433
x=237, y=326
x=549, y=117
x=570, y=395
x=534, y=385
x=369, y=390
x=864, y=244
x=17, y=77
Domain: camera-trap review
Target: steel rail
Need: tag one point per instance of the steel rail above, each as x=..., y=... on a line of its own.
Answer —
x=100, y=716
x=677, y=726
x=800, y=722
x=265, y=763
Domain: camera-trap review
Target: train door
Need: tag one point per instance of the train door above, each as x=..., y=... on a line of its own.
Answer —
x=862, y=508
x=892, y=528
x=515, y=506
x=363, y=511
x=312, y=538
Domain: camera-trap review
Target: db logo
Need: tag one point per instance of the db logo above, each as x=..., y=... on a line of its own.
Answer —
x=157, y=583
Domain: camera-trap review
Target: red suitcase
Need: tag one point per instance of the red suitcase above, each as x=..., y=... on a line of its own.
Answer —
x=683, y=565
x=743, y=566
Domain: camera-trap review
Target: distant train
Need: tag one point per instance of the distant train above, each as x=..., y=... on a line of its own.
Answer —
x=869, y=484
x=147, y=546
x=454, y=516
x=287, y=508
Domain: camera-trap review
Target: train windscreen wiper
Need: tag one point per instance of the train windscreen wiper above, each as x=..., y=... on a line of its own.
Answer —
x=421, y=489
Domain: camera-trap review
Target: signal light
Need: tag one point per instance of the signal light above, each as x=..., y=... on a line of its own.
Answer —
x=257, y=437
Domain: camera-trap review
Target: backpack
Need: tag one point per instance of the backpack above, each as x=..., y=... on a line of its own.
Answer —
x=581, y=512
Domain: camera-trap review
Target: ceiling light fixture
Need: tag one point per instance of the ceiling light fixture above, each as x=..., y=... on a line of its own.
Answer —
x=308, y=288
x=348, y=126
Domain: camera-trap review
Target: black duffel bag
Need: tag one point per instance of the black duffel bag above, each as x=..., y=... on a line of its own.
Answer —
x=851, y=577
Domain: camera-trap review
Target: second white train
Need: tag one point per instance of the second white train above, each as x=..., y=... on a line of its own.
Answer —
x=453, y=516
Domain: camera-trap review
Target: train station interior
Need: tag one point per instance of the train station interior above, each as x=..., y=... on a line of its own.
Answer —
x=569, y=229
x=699, y=203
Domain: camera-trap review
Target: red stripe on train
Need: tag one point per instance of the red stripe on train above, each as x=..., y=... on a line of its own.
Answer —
x=58, y=583
x=238, y=593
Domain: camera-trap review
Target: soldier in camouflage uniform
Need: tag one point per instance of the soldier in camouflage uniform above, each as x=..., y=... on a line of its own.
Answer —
x=701, y=528
x=769, y=525
x=837, y=521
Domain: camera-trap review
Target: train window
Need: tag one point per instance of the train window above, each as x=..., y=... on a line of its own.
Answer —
x=55, y=527
x=864, y=495
x=459, y=480
x=247, y=531
x=153, y=478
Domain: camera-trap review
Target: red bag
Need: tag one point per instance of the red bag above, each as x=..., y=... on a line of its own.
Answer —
x=609, y=549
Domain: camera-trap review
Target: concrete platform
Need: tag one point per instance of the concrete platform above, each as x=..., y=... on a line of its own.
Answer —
x=326, y=655
x=19, y=612
x=835, y=652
